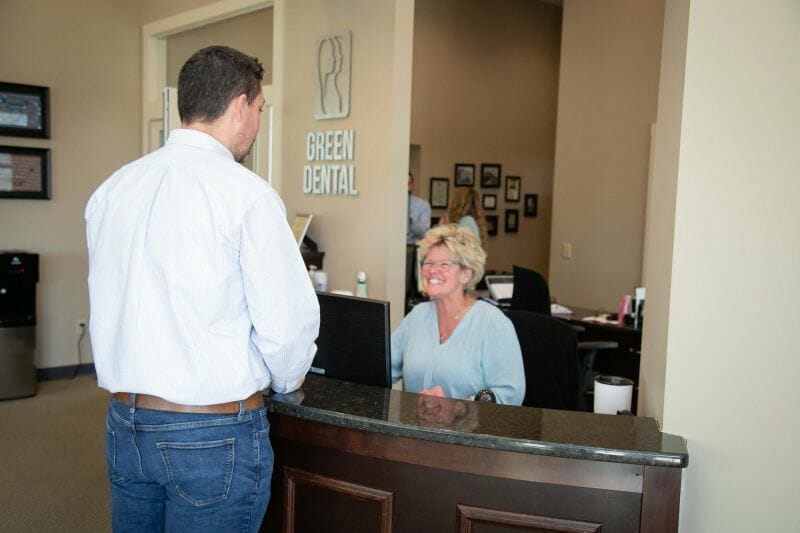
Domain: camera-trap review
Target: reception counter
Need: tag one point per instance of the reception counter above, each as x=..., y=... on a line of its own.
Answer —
x=356, y=458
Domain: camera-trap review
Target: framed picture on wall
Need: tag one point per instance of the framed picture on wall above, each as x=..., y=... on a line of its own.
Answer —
x=24, y=110
x=24, y=172
x=464, y=175
x=491, y=225
x=440, y=189
x=531, y=205
x=490, y=175
x=512, y=188
x=490, y=201
x=512, y=220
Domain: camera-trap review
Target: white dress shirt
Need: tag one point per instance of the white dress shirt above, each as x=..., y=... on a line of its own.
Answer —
x=197, y=288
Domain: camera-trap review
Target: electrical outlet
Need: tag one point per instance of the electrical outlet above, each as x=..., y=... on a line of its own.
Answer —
x=566, y=250
x=80, y=326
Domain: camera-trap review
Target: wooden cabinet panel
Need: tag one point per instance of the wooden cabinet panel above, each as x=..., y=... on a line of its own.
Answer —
x=480, y=520
x=314, y=503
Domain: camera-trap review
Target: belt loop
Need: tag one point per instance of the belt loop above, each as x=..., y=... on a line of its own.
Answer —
x=241, y=408
x=132, y=408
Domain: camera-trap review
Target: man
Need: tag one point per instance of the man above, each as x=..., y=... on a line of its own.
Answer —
x=199, y=301
x=419, y=214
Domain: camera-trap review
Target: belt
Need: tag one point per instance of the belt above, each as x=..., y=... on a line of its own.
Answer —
x=147, y=401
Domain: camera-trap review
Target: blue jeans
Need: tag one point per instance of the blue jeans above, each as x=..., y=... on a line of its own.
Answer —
x=187, y=472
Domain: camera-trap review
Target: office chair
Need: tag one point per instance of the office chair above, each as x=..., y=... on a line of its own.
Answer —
x=531, y=292
x=550, y=358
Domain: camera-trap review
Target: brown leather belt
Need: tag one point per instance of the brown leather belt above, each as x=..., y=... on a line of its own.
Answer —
x=147, y=401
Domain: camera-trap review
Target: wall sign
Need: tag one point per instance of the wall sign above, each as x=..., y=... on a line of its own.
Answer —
x=333, y=76
x=332, y=175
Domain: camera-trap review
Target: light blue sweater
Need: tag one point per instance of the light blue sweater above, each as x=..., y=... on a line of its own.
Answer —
x=470, y=223
x=482, y=352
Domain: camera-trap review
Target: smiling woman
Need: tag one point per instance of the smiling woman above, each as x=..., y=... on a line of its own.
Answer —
x=454, y=341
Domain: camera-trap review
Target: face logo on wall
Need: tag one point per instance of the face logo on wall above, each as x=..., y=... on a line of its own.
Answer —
x=333, y=76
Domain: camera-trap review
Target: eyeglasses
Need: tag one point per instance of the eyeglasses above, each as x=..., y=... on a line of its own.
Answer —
x=443, y=266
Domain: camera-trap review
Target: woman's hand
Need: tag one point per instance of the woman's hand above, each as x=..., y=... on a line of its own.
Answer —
x=444, y=220
x=433, y=391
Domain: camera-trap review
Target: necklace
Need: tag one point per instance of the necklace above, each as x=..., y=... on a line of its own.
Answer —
x=446, y=330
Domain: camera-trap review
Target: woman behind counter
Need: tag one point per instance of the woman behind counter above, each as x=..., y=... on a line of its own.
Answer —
x=455, y=341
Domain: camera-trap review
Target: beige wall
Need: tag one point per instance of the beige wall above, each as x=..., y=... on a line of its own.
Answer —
x=251, y=33
x=660, y=224
x=153, y=10
x=722, y=260
x=89, y=54
x=485, y=87
x=732, y=357
x=366, y=232
x=610, y=59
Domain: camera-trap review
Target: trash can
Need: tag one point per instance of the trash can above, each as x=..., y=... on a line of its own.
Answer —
x=612, y=394
x=19, y=273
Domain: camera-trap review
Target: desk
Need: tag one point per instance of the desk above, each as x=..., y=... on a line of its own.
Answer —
x=357, y=458
x=623, y=361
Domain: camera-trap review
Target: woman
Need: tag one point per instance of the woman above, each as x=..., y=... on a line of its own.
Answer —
x=465, y=210
x=455, y=341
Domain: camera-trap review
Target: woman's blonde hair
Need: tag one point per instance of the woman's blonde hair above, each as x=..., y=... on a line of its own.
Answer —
x=467, y=201
x=462, y=244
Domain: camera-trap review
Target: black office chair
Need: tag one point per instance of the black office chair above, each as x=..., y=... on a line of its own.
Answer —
x=531, y=292
x=550, y=358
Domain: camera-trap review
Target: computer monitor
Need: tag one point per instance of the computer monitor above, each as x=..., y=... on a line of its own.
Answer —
x=500, y=287
x=354, y=340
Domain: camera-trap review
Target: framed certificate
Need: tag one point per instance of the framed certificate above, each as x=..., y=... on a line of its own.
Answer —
x=24, y=110
x=24, y=172
x=512, y=188
x=439, y=192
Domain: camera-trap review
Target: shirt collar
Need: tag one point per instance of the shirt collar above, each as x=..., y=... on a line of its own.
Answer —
x=198, y=139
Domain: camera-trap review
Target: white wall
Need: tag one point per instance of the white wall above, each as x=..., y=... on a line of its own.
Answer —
x=608, y=93
x=732, y=358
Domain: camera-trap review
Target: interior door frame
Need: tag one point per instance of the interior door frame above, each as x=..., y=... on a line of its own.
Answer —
x=154, y=64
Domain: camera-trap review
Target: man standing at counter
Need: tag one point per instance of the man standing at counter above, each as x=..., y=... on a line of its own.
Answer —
x=199, y=301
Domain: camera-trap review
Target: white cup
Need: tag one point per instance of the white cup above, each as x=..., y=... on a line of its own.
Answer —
x=612, y=394
x=321, y=281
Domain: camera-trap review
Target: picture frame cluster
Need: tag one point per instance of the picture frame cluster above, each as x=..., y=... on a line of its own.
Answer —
x=491, y=177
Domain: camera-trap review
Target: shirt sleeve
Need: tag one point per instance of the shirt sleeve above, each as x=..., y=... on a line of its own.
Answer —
x=398, y=349
x=420, y=219
x=283, y=305
x=503, y=370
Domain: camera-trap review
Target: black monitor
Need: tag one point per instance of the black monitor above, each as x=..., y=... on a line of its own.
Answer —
x=354, y=340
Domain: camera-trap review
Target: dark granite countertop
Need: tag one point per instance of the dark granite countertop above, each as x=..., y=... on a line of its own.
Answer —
x=568, y=434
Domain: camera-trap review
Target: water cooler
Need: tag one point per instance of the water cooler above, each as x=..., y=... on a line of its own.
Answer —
x=19, y=273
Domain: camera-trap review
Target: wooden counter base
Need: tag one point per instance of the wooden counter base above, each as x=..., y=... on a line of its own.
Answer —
x=329, y=478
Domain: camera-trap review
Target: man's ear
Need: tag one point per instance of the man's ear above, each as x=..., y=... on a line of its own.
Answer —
x=239, y=107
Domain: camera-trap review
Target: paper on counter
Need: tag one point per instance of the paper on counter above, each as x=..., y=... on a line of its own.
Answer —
x=599, y=319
